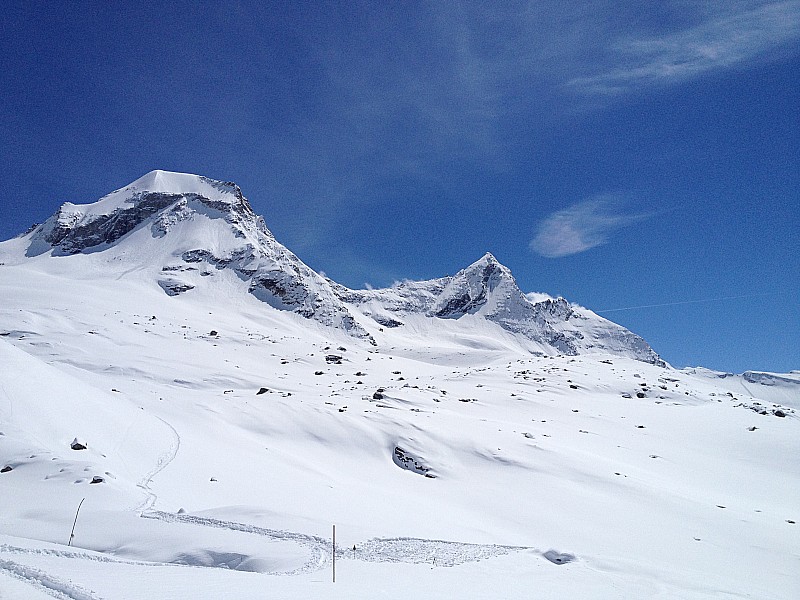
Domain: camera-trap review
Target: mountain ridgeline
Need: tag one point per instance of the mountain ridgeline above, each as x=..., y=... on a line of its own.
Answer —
x=186, y=230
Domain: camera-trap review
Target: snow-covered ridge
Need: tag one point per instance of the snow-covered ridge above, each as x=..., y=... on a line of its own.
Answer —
x=195, y=227
x=76, y=227
x=781, y=388
x=158, y=182
x=487, y=289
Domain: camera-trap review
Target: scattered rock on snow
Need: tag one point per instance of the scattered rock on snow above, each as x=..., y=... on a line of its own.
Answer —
x=78, y=444
x=173, y=287
x=262, y=390
x=558, y=558
x=406, y=461
x=6, y=469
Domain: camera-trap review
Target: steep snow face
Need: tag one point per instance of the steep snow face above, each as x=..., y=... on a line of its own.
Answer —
x=485, y=286
x=186, y=228
x=487, y=289
x=160, y=182
x=78, y=227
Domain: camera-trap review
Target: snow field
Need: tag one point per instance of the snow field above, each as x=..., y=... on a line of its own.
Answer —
x=212, y=488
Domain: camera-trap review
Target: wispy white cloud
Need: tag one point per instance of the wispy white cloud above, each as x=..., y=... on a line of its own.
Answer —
x=450, y=84
x=582, y=226
x=426, y=98
x=735, y=35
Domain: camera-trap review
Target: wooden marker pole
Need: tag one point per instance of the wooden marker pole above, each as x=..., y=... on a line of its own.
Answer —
x=334, y=554
x=75, y=522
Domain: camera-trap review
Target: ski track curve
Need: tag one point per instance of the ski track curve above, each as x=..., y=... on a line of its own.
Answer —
x=387, y=550
x=9, y=401
x=319, y=547
x=163, y=461
x=100, y=558
x=53, y=586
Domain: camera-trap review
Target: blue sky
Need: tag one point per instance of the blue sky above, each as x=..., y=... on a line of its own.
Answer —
x=621, y=154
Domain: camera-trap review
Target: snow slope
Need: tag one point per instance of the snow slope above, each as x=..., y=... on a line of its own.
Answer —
x=457, y=456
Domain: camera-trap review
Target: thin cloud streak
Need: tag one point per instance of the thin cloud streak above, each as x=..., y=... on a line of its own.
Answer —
x=681, y=303
x=581, y=227
x=415, y=100
x=719, y=43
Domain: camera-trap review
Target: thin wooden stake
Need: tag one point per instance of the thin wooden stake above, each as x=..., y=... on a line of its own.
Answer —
x=72, y=534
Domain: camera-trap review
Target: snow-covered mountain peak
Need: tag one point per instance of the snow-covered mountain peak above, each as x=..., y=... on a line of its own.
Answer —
x=163, y=196
x=169, y=182
x=172, y=182
x=487, y=259
x=487, y=263
x=155, y=182
x=485, y=284
x=182, y=232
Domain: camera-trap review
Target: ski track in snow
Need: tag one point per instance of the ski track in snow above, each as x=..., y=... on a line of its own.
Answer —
x=7, y=396
x=393, y=550
x=320, y=547
x=418, y=551
x=100, y=558
x=54, y=586
x=48, y=584
x=161, y=464
x=386, y=550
